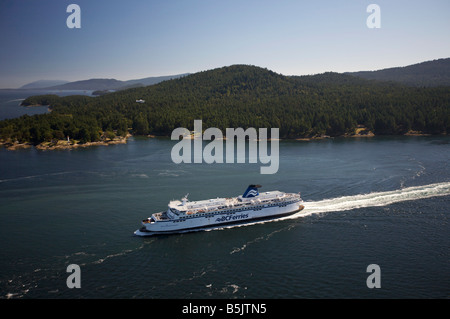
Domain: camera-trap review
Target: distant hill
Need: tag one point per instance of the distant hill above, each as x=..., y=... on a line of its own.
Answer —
x=426, y=74
x=40, y=84
x=111, y=84
x=92, y=84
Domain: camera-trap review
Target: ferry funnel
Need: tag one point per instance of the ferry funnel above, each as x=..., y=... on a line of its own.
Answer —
x=252, y=191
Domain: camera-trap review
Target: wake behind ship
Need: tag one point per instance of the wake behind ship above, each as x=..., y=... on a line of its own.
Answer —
x=185, y=215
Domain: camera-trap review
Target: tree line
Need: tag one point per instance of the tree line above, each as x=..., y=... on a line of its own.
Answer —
x=240, y=96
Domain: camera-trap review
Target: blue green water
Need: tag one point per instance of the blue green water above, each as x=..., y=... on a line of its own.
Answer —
x=381, y=200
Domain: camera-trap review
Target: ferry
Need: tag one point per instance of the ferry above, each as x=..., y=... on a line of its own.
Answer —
x=184, y=215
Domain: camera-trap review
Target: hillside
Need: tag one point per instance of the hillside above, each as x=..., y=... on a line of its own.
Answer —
x=425, y=74
x=151, y=80
x=241, y=96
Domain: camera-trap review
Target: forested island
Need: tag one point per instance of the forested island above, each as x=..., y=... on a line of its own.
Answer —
x=328, y=104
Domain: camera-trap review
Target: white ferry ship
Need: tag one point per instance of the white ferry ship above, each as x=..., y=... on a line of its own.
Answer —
x=185, y=215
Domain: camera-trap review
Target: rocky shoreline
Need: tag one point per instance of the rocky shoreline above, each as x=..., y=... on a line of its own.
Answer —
x=360, y=132
x=63, y=144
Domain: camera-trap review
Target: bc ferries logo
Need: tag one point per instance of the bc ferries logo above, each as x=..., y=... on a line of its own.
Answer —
x=231, y=218
x=251, y=193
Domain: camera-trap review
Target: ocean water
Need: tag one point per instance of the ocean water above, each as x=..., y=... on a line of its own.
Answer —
x=381, y=200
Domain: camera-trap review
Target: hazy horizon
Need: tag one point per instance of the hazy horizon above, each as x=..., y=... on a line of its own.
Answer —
x=127, y=40
x=201, y=71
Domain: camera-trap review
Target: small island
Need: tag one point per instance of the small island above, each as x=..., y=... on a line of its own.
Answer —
x=302, y=107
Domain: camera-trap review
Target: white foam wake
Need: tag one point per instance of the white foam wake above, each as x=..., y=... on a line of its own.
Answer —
x=354, y=202
x=373, y=199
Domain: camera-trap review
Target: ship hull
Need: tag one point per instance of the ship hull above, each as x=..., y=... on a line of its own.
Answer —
x=218, y=220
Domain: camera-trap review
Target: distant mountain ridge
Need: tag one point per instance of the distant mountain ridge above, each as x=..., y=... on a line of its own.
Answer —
x=42, y=84
x=425, y=74
x=92, y=84
x=98, y=84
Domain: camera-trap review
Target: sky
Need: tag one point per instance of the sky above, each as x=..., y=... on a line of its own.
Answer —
x=134, y=39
